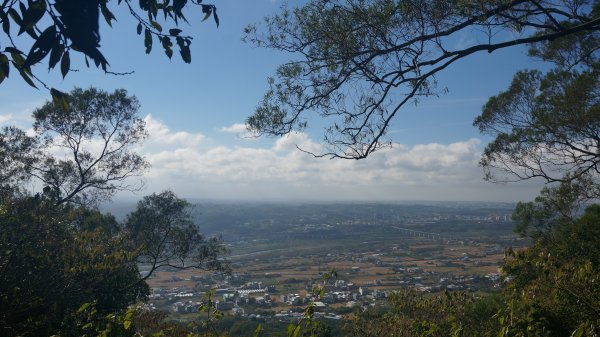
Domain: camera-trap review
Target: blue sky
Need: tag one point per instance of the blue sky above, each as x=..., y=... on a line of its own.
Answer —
x=194, y=113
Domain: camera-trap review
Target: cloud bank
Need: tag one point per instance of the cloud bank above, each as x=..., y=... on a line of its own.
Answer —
x=195, y=166
x=184, y=162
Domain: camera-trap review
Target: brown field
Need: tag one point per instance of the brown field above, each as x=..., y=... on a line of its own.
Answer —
x=306, y=269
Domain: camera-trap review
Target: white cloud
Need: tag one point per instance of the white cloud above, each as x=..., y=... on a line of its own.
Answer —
x=234, y=128
x=19, y=114
x=5, y=119
x=295, y=141
x=159, y=134
x=427, y=171
x=241, y=131
x=194, y=167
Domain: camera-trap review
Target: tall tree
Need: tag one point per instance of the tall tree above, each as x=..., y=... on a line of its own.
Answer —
x=547, y=125
x=357, y=63
x=80, y=151
x=163, y=234
x=50, y=268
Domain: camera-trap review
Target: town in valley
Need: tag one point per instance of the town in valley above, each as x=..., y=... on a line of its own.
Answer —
x=357, y=253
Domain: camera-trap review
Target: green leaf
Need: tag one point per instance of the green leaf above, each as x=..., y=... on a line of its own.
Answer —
x=46, y=39
x=579, y=331
x=154, y=8
x=167, y=44
x=108, y=15
x=174, y=31
x=206, y=16
x=42, y=46
x=293, y=330
x=144, y=4
x=83, y=307
x=184, y=49
x=23, y=9
x=36, y=11
x=148, y=40
x=258, y=331
x=208, y=10
x=34, y=57
x=12, y=50
x=17, y=58
x=215, y=16
x=139, y=28
x=59, y=99
x=156, y=25
x=186, y=55
x=15, y=16
x=4, y=66
x=178, y=5
x=128, y=319
x=5, y=23
x=65, y=64
x=55, y=55
x=31, y=16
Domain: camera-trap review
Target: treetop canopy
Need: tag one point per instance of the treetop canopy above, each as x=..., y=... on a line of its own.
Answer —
x=62, y=29
x=358, y=63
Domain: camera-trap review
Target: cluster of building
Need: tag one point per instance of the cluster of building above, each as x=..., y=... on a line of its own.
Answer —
x=256, y=294
x=187, y=307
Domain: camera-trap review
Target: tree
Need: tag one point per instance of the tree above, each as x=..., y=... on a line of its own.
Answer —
x=65, y=268
x=359, y=62
x=548, y=125
x=555, y=207
x=49, y=268
x=409, y=313
x=554, y=291
x=82, y=151
x=162, y=233
x=69, y=270
x=63, y=28
x=17, y=152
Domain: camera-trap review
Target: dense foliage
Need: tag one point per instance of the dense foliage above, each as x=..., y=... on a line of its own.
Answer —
x=66, y=28
x=54, y=260
x=67, y=269
x=410, y=313
x=554, y=288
